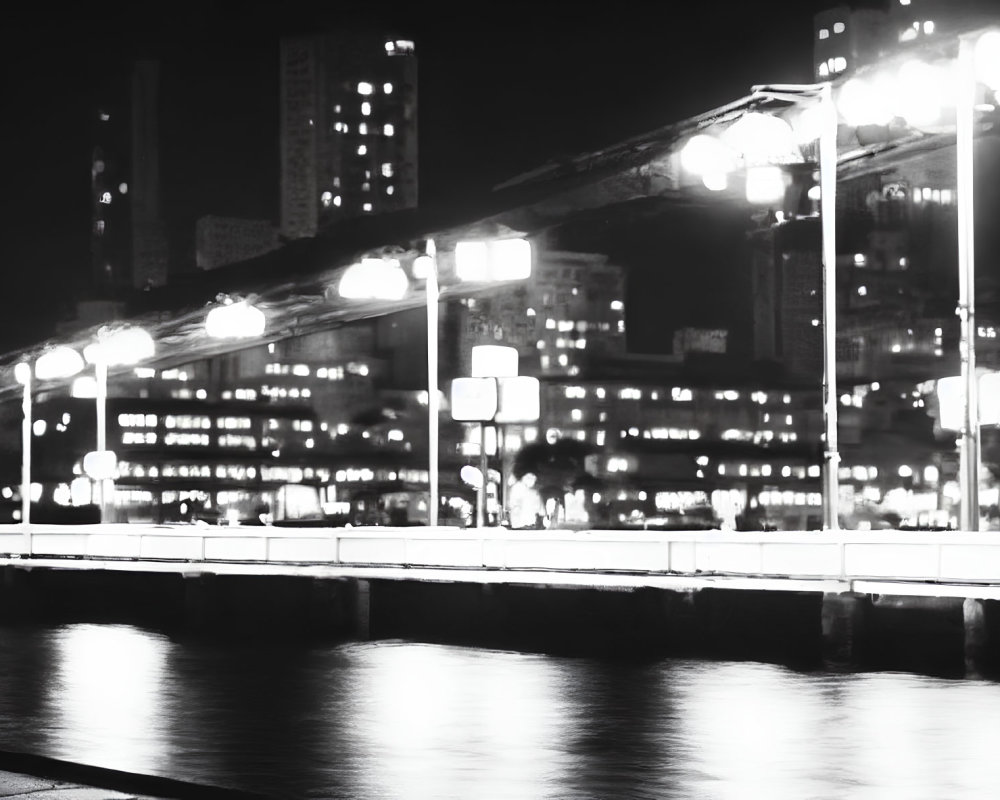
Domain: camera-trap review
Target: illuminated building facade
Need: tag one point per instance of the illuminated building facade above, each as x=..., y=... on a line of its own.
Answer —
x=348, y=129
x=845, y=38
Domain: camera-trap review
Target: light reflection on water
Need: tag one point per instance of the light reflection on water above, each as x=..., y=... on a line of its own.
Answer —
x=405, y=720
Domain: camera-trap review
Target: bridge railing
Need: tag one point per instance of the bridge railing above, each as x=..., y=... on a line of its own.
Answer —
x=944, y=556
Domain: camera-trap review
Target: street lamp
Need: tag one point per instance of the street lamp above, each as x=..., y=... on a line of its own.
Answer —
x=760, y=142
x=978, y=59
x=114, y=347
x=59, y=362
x=917, y=94
x=482, y=261
x=235, y=319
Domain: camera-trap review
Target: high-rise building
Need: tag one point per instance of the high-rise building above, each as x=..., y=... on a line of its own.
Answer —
x=844, y=37
x=348, y=128
x=128, y=235
x=226, y=240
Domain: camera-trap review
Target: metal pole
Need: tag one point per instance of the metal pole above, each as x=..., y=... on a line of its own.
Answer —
x=484, y=469
x=433, y=404
x=101, y=374
x=828, y=217
x=26, y=460
x=968, y=472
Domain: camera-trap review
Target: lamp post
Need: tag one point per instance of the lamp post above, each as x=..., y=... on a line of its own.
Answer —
x=114, y=347
x=978, y=61
x=383, y=279
x=59, y=362
x=23, y=374
x=968, y=453
x=426, y=267
x=713, y=158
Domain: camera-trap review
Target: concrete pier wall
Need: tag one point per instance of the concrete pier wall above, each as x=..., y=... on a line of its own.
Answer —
x=808, y=630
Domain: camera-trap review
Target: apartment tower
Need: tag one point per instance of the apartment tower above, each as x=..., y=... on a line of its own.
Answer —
x=348, y=128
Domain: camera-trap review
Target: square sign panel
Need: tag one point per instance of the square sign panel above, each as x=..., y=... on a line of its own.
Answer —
x=474, y=399
x=518, y=400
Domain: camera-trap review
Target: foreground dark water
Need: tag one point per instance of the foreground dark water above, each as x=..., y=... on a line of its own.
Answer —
x=404, y=720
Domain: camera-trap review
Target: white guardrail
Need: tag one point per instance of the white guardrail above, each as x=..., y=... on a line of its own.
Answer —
x=936, y=556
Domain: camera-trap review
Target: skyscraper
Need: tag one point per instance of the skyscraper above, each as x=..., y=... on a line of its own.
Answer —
x=348, y=127
x=128, y=237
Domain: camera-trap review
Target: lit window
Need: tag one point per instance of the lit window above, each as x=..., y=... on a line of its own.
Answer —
x=839, y=64
x=929, y=27
x=366, y=109
x=824, y=33
x=388, y=129
x=823, y=70
x=362, y=150
x=389, y=189
x=387, y=88
x=365, y=88
x=366, y=207
x=387, y=170
x=336, y=200
x=326, y=199
x=838, y=27
x=363, y=128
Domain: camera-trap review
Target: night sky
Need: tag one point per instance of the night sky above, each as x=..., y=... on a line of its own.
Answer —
x=503, y=88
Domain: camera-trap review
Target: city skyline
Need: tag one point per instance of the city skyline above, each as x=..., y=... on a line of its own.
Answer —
x=520, y=97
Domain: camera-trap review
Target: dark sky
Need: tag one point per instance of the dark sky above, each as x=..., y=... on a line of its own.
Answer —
x=503, y=88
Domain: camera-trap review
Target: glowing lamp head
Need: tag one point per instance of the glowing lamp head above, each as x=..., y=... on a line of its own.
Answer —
x=235, y=320
x=22, y=373
x=707, y=155
x=373, y=279
x=59, y=362
x=762, y=139
x=987, y=59
x=120, y=346
x=765, y=185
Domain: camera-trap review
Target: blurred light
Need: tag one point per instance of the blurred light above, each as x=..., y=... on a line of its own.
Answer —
x=704, y=155
x=373, y=279
x=120, y=346
x=921, y=92
x=987, y=59
x=765, y=184
x=864, y=101
x=807, y=125
x=499, y=260
x=234, y=320
x=492, y=361
x=762, y=139
x=59, y=362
